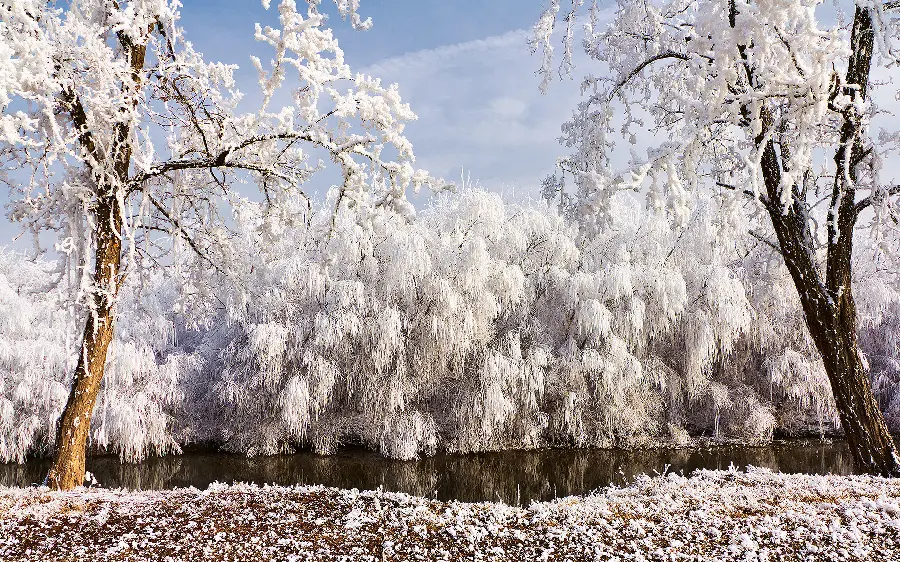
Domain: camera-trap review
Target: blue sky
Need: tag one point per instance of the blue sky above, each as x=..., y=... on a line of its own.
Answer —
x=464, y=67
x=400, y=26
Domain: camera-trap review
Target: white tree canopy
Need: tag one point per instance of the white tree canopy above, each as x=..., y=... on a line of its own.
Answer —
x=710, y=89
x=75, y=105
x=770, y=101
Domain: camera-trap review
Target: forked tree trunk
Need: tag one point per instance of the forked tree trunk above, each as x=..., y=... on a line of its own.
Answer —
x=870, y=442
x=73, y=430
x=830, y=313
x=835, y=333
x=828, y=304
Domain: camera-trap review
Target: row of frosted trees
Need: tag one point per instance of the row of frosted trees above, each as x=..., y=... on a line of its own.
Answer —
x=478, y=324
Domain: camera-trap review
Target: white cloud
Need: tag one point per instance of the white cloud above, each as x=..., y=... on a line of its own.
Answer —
x=430, y=58
x=480, y=110
x=508, y=107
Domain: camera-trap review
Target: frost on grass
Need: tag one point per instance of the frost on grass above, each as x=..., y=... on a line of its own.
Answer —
x=757, y=515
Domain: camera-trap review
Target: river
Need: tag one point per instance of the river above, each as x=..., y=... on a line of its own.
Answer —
x=514, y=477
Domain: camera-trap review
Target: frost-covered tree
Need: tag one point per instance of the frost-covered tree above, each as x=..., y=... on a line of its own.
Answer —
x=771, y=101
x=121, y=138
x=477, y=325
x=143, y=377
x=484, y=325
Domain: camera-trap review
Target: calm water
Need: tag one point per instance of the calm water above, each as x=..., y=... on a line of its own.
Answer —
x=513, y=477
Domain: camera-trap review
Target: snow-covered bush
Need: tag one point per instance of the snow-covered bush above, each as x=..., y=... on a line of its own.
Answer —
x=37, y=339
x=476, y=325
x=34, y=356
x=482, y=325
x=879, y=314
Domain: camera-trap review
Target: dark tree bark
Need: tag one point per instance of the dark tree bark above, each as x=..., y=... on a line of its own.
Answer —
x=828, y=304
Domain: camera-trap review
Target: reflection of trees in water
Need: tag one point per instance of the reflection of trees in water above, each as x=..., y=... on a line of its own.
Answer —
x=348, y=469
x=834, y=458
x=544, y=475
x=509, y=476
x=153, y=474
x=32, y=472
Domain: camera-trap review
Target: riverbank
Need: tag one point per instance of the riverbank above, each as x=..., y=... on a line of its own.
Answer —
x=723, y=515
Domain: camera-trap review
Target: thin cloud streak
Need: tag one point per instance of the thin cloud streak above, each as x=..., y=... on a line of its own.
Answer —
x=480, y=110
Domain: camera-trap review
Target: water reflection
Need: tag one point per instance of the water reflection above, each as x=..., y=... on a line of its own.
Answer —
x=512, y=476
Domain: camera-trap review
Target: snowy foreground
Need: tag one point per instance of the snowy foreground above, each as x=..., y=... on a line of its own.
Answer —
x=713, y=515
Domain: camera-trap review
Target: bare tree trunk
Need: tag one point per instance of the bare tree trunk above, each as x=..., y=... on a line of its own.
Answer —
x=73, y=430
x=871, y=444
x=828, y=304
x=830, y=313
x=110, y=172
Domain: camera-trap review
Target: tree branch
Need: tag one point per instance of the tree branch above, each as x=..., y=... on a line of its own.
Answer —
x=757, y=197
x=766, y=241
x=79, y=118
x=183, y=234
x=219, y=160
x=863, y=204
x=842, y=213
x=790, y=50
x=636, y=70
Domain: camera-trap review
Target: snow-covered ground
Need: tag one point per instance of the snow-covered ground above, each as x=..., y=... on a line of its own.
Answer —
x=713, y=515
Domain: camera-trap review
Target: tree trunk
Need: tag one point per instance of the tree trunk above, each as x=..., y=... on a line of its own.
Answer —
x=870, y=442
x=73, y=429
x=831, y=317
x=835, y=332
x=828, y=304
x=110, y=172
